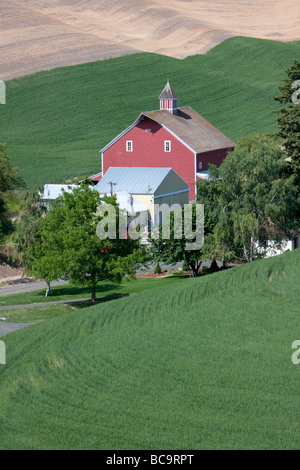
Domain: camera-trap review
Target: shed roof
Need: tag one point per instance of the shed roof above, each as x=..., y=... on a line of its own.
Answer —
x=96, y=177
x=53, y=191
x=203, y=175
x=195, y=131
x=134, y=180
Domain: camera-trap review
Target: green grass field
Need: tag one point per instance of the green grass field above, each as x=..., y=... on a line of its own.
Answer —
x=55, y=122
x=204, y=364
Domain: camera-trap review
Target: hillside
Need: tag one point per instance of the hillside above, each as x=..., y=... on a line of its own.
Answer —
x=39, y=35
x=206, y=367
x=56, y=122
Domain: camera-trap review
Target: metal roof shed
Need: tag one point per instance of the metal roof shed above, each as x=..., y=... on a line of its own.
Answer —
x=150, y=186
x=156, y=181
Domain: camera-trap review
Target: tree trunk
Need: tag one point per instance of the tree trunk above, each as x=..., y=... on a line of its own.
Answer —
x=199, y=263
x=94, y=293
x=193, y=269
x=251, y=249
x=246, y=253
x=48, y=289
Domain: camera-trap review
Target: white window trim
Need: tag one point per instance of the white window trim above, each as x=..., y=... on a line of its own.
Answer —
x=129, y=142
x=167, y=142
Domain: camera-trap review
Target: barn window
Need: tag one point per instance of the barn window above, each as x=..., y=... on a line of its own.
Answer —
x=200, y=165
x=129, y=146
x=167, y=146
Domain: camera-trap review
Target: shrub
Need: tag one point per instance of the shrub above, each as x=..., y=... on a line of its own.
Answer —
x=157, y=269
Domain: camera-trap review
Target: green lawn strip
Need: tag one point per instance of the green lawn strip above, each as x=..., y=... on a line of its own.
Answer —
x=40, y=313
x=104, y=289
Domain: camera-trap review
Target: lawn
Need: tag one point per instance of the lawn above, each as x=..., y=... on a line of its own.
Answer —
x=55, y=122
x=104, y=289
x=40, y=313
x=204, y=363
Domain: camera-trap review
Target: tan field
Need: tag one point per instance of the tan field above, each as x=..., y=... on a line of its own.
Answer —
x=42, y=34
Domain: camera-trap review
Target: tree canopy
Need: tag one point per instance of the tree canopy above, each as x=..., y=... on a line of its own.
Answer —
x=8, y=181
x=289, y=118
x=26, y=225
x=172, y=243
x=68, y=245
x=250, y=203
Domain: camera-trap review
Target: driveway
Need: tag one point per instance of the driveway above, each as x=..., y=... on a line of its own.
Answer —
x=7, y=327
x=27, y=287
x=18, y=288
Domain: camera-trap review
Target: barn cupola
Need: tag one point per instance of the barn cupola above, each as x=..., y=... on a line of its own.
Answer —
x=168, y=99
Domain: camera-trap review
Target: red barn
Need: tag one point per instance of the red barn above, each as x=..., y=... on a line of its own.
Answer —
x=171, y=137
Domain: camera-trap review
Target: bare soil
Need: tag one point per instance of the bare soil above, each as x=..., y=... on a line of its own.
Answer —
x=9, y=274
x=153, y=275
x=42, y=34
x=162, y=274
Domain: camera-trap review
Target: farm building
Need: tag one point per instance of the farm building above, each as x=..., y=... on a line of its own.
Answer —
x=52, y=191
x=171, y=137
x=150, y=187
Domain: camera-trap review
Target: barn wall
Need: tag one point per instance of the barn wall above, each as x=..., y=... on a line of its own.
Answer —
x=148, y=151
x=214, y=157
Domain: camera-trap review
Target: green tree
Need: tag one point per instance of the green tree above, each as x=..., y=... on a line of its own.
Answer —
x=157, y=269
x=289, y=119
x=68, y=245
x=171, y=243
x=26, y=225
x=8, y=182
x=250, y=202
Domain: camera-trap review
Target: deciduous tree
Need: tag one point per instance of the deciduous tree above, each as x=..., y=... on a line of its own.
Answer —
x=68, y=245
x=8, y=181
x=250, y=202
x=172, y=243
x=289, y=119
x=26, y=224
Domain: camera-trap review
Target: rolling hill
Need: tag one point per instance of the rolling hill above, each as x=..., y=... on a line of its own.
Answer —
x=55, y=122
x=206, y=367
x=40, y=35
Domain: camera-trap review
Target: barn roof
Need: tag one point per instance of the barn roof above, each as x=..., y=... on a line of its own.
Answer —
x=195, y=131
x=134, y=180
x=188, y=126
x=168, y=93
